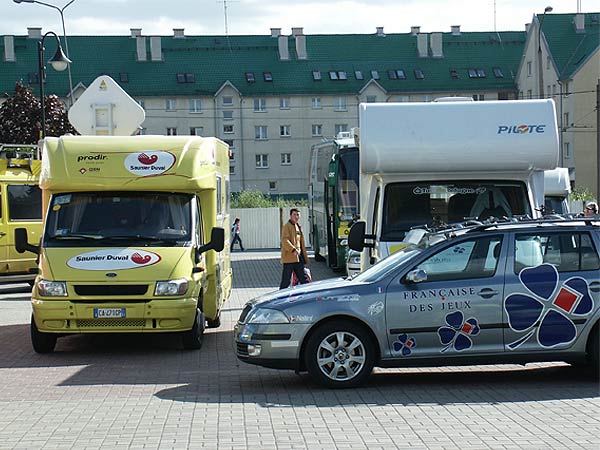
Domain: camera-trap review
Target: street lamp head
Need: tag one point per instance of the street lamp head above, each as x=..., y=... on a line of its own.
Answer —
x=59, y=61
x=546, y=10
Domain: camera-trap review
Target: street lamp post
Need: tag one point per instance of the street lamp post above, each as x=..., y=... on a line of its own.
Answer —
x=62, y=19
x=59, y=63
x=539, y=52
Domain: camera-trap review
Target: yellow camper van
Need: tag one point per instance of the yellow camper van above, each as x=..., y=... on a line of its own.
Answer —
x=133, y=237
x=20, y=207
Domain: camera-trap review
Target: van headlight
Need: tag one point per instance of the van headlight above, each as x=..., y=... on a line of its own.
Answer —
x=267, y=316
x=171, y=288
x=52, y=288
x=355, y=260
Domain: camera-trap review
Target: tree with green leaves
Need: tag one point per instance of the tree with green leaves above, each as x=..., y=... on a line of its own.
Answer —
x=20, y=117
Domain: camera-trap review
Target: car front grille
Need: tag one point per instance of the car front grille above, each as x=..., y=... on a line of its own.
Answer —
x=105, y=323
x=111, y=289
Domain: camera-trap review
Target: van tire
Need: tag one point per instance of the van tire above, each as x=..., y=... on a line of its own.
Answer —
x=214, y=323
x=42, y=342
x=192, y=339
x=365, y=350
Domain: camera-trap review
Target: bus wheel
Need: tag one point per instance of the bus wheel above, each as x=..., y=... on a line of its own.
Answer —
x=42, y=342
x=192, y=340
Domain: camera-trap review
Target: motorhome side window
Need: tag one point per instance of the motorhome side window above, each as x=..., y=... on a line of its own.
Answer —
x=408, y=205
x=24, y=202
x=219, y=193
x=568, y=252
x=476, y=258
x=114, y=218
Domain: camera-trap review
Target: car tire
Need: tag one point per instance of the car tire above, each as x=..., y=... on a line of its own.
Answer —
x=42, y=342
x=192, y=339
x=340, y=354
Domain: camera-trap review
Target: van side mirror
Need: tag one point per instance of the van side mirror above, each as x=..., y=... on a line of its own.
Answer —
x=217, y=242
x=21, y=242
x=356, y=236
x=416, y=276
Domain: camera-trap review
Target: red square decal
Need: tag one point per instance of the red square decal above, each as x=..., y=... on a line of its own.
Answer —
x=566, y=299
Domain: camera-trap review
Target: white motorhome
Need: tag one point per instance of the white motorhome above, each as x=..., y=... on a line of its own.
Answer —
x=444, y=162
x=557, y=188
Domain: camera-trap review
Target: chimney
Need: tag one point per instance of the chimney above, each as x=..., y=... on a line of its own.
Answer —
x=435, y=42
x=422, y=45
x=415, y=30
x=155, y=48
x=455, y=30
x=284, y=50
x=579, y=21
x=300, y=43
x=34, y=32
x=275, y=32
x=380, y=32
x=140, y=43
x=135, y=32
x=178, y=33
x=9, y=48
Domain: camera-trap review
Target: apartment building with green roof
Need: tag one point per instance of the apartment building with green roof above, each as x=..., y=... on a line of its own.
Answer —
x=273, y=96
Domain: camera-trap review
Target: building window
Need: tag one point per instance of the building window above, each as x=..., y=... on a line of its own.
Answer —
x=567, y=149
x=426, y=98
x=267, y=76
x=171, y=131
x=419, y=75
x=392, y=74
x=565, y=121
x=227, y=101
x=340, y=128
x=124, y=77
x=403, y=98
x=529, y=94
x=454, y=74
x=359, y=75
x=339, y=103
x=481, y=73
x=250, y=77
x=260, y=105
x=272, y=185
x=554, y=89
x=260, y=132
x=286, y=159
x=195, y=105
x=227, y=115
x=230, y=143
x=316, y=75
x=262, y=161
x=375, y=74
x=196, y=131
x=548, y=92
x=478, y=97
x=228, y=129
x=548, y=62
x=498, y=72
x=284, y=103
x=231, y=170
x=338, y=75
x=371, y=98
x=284, y=131
x=528, y=68
x=171, y=104
x=333, y=75
x=503, y=95
x=317, y=130
x=316, y=103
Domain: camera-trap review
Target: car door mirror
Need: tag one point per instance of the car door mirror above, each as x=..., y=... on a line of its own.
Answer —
x=416, y=276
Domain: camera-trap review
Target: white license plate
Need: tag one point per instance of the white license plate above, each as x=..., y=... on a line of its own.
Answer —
x=109, y=313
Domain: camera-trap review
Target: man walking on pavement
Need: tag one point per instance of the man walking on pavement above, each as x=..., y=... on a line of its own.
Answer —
x=293, y=250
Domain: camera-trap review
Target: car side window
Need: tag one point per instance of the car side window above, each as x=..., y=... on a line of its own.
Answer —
x=475, y=258
x=567, y=251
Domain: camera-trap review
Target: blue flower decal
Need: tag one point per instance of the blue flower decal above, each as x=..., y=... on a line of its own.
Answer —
x=457, y=333
x=404, y=345
x=547, y=309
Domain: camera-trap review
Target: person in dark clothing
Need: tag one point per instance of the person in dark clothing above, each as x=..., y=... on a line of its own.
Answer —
x=235, y=234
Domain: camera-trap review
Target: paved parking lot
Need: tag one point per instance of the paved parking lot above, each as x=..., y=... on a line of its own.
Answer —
x=133, y=392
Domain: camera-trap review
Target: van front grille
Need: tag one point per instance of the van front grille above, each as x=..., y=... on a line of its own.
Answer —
x=242, y=349
x=105, y=323
x=111, y=289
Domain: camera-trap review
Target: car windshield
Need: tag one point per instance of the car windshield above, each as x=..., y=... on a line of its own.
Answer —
x=386, y=265
x=108, y=219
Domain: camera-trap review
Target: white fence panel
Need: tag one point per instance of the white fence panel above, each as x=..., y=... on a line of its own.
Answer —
x=261, y=227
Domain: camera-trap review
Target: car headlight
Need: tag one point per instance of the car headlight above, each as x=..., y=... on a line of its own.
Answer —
x=171, y=287
x=355, y=260
x=265, y=315
x=52, y=288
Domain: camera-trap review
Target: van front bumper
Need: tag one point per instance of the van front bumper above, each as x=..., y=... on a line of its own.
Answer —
x=154, y=316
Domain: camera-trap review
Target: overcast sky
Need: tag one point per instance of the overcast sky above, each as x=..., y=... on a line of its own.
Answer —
x=159, y=17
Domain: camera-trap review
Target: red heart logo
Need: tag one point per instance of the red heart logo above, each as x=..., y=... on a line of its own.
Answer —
x=139, y=259
x=147, y=160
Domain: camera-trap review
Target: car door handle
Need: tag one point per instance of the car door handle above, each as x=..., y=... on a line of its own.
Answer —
x=595, y=286
x=487, y=293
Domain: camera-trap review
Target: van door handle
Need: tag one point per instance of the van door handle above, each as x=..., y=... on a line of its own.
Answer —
x=487, y=293
x=595, y=286
x=2, y=233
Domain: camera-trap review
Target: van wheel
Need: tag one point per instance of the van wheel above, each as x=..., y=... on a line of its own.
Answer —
x=214, y=323
x=192, y=340
x=42, y=342
x=340, y=354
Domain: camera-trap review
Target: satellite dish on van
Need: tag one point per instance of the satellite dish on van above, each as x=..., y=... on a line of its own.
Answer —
x=105, y=109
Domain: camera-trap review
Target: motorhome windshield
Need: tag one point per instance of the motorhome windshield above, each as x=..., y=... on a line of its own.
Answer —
x=407, y=205
x=555, y=205
x=348, y=183
x=112, y=219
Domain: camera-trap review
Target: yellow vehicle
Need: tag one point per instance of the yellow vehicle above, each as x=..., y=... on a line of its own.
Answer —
x=133, y=237
x=20, y=207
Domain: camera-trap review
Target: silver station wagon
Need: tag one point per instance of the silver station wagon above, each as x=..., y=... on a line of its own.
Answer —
x=499, y=292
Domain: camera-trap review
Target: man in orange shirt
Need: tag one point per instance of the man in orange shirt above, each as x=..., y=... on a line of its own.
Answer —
x=293, y=250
